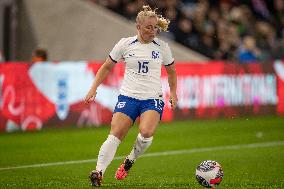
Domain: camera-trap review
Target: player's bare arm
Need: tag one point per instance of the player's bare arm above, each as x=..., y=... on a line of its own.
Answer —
x=100, y=76
x=172, y=80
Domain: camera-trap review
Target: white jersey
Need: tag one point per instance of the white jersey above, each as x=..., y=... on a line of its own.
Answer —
x=142, y=77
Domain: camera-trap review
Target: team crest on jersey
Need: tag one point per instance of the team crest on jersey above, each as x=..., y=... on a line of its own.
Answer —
x=155, y=54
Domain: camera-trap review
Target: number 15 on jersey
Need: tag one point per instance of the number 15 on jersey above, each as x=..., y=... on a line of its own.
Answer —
x=143, y=67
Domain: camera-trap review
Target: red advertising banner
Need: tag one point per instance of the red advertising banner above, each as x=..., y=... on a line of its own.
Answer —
x=49, y=94
x=279, y=71
x=219, y=89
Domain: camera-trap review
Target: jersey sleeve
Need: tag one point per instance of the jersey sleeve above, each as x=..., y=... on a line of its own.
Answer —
x=117, y=51
x=168, y=57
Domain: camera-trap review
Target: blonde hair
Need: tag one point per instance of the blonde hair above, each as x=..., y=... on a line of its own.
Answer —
x=147, y=11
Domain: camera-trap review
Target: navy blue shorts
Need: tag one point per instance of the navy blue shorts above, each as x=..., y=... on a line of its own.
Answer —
x=133, y=107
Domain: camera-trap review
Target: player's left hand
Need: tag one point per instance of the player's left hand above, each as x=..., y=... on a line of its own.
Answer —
x=173, y=101
x=90, y=97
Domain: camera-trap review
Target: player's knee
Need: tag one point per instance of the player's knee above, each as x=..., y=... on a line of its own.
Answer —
x=147, y=134
x=118, y=132
x=118, y=135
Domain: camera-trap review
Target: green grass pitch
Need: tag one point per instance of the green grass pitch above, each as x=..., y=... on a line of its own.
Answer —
x=250, y=150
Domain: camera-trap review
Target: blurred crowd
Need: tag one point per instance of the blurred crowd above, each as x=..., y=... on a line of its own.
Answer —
x=234, y=30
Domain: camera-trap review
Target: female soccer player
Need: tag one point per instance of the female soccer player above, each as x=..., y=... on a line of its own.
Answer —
x=140, y=93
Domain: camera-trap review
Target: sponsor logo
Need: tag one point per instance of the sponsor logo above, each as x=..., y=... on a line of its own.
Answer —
x=120, y=104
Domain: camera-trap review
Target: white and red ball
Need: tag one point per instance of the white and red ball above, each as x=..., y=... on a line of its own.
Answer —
x=209, y=173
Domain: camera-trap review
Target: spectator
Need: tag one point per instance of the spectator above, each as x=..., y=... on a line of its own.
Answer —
x=185, y=34
x=248, y=52
x=171, y=14
x=2, y=59
x=39, y=55
x=278, y=17
x=266, y=39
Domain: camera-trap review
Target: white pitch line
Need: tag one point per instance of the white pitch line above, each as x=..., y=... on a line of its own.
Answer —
x=154, y=154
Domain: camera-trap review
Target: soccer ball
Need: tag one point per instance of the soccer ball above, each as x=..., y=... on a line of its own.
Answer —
x=209, y=173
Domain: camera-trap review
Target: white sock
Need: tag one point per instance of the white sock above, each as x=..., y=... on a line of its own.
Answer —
x=107, y=152
x=140, y=146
